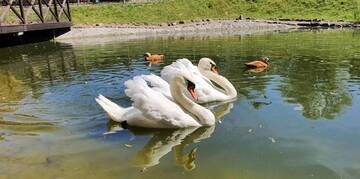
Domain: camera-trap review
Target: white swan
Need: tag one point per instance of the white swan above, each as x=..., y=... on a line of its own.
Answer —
x=203, y=75
x=154, y=110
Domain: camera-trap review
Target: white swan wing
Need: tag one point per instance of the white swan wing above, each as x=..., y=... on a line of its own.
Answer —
x=183, y=64
x=169, y=72
x=158, y=84
x=188, y=65
x=154, y=109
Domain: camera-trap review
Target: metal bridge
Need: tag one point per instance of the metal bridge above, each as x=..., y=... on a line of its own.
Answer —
x=27, y=21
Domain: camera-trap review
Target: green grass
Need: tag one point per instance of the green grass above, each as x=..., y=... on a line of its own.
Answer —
x=174, y=10
x=356, y=11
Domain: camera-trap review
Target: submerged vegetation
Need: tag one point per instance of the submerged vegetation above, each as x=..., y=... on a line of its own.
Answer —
x=173, y=10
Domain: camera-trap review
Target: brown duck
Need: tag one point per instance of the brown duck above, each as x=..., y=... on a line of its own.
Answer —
x=261, y=63
x=153, y=58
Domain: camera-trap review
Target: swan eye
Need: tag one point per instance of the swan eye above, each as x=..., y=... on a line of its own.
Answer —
x=190, y=85
x=213, y=65
x=149, y=84
x=214, y=68
x=191, y=89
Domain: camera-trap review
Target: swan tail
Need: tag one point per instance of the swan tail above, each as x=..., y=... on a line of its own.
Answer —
x=115, y=111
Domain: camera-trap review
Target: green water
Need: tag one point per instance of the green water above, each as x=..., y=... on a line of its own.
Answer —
x=297, y=119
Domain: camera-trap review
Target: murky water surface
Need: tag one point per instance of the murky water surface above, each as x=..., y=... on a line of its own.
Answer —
x=298, y=119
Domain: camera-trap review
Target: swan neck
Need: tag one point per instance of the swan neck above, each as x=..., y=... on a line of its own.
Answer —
x=224, y=83
x=203, y=115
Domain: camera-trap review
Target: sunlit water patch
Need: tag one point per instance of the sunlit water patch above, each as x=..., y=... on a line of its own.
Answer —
x=296, y=119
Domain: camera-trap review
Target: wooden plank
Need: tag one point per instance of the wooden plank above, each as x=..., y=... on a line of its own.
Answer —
x=33, y=27
x=12, y=39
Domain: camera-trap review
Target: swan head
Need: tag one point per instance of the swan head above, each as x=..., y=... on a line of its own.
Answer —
x=186, y=80
x=147, y=54
x=183, y=81
x=190, y=86
x=207, y=64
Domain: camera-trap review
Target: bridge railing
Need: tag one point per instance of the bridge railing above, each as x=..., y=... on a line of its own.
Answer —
x=27, y=12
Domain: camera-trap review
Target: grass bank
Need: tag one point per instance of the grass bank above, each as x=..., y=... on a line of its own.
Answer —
x=173, y=10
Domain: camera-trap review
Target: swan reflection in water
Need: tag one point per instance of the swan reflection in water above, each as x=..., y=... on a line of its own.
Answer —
x=165, y=140
x=162, y=142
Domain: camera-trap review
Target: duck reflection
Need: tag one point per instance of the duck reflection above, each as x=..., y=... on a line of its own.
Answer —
x=256, y=70
x=157, y=62
x=164, y=141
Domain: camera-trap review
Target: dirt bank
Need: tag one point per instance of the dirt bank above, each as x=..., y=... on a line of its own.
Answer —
x=211, y=27
x=101, y=33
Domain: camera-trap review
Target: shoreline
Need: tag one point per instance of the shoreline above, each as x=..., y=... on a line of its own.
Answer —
x=210, y=27
x=124, y=32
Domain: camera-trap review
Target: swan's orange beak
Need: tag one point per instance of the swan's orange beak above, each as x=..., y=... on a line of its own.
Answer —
x=214, y=69
x=193, y=94
x=191, y=89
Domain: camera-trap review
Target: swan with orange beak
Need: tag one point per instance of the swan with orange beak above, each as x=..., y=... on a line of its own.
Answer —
x=152, y=109
x=205, y=74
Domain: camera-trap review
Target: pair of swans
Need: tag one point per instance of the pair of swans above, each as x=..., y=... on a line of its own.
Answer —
x=203, y=74
x=162, y=142
x=168, y=104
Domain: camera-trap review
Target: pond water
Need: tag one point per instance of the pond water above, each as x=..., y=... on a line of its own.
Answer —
x=297, y=119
